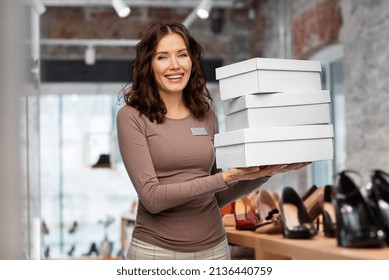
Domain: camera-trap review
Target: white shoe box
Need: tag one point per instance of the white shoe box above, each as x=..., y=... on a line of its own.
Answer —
x=278, y=109
x=274, y=145
x=264, y=75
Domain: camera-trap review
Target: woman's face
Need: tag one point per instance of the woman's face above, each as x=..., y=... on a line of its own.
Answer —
x=171, y=65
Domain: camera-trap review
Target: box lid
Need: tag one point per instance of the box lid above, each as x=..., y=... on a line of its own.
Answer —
x=268, y=64
x=278, y=99
x=266, y=134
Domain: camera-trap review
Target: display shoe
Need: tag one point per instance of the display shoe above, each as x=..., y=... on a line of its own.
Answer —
x=73, y=228
x=308, y=192
x=253, y=200
x=357, y=225
x=226, y=210
x=329, y=215
x=379, y=194
x=46, y=252
x=103, y=162
x=228, y=220
x=44, y=228
x=269, y=217
x=312, y=200
x=276, y=197
x=71, y=250
x=296, y=222
x=244, y=214
x=92, y=250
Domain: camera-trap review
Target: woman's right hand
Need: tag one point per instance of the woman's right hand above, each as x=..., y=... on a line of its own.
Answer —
x=254, y=172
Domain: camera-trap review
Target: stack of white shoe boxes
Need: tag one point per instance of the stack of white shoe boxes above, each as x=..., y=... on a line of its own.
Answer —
x=276, y=113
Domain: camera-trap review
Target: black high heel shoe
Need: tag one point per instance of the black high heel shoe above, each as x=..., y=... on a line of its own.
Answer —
x=73, y=227
x=379, y=194
x=329, y=215
x=92, y=250
x=357, y=225
x=296, y=221
x=71, y=250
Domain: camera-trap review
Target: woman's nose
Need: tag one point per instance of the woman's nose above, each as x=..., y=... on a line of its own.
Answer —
x=174, y=63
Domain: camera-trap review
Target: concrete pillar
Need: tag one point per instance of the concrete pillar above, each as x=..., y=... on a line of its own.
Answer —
x=11, y=197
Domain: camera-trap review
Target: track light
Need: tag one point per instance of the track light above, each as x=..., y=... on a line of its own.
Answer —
x=204, y=9
x=121, y=8
x=90, y=55
x=38, y=7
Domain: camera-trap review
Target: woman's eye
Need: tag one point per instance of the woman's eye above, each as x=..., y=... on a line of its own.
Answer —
x=161, y=57
x=182, y=55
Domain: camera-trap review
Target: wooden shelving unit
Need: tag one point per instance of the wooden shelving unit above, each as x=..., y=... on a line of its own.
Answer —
x=276, y=247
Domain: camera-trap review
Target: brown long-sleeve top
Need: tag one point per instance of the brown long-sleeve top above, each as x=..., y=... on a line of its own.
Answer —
x=172, y=168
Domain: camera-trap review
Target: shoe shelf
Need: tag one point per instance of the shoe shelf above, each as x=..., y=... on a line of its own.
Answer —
x=276, y=247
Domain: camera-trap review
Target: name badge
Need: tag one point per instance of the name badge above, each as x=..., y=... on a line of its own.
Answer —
x=198, y=131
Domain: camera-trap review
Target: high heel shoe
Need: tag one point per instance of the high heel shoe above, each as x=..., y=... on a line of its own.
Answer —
x=357, y=225
x=329, y=215
x=379, y=194
x=44, y=228
x=46, y=252
x=312, y=200
x=308, y=192
x=73, y=227
x=269, y=217
x=244, y=214
x=227, y=216
x=71, y=250
x=92, y=250
x=295, y=219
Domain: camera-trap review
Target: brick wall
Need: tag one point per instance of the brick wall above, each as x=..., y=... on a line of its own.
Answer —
x=316, y=27
x=231, y=44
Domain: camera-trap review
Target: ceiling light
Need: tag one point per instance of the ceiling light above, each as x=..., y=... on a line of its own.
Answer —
x=90, y=55
x=121, y=8
x=204, y=9
x=38, y=7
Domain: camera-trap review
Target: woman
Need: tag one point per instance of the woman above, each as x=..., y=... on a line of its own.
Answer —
x=165, y=134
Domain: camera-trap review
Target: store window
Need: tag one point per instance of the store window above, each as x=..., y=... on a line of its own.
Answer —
x=332, y=79
x=84, y=186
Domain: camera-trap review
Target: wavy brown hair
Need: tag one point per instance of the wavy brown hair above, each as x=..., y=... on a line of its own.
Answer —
x=144, y=95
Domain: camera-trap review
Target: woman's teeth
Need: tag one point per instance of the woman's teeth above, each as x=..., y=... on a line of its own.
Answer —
x=174, y=77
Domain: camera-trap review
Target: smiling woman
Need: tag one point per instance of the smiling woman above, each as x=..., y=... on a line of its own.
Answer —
x=165, y=134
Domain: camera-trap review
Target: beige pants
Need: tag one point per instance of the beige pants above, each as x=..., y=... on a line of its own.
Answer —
x=140, y=250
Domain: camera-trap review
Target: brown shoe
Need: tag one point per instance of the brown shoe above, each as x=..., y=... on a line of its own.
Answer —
x=268, y=213
x=314, y=203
